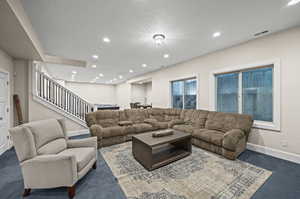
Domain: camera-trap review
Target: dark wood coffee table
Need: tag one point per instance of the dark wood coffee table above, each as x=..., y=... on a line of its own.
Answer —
x=153, y=153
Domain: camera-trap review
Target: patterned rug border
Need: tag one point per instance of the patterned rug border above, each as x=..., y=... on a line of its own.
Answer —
x=246, y=194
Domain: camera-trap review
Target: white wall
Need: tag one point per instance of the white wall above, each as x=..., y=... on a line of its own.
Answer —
x=284, y=46
x=148, y=92
x=123, y=95
x=138, y=93
x=7, y=65
x=94, y=93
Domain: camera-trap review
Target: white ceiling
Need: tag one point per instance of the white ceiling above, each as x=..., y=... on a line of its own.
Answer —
x=75, y=28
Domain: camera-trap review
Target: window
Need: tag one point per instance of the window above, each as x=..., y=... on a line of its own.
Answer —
x=251, y=89
x=227, y=92
x=257, y=91
x=184, y=94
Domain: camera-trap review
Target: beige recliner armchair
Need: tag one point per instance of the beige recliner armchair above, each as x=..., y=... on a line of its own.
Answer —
x=49, y=159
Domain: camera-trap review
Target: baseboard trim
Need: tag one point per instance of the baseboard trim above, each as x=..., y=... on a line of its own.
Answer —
x=274, y=152
x=79, y=132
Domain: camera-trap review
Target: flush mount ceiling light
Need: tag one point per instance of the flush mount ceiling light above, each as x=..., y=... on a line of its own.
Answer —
x=159, y=39
x=144, y=65
x=95, y=56
x=293, y=2
x=131, y=71
x=94, y=66
x=101, y=75
x=106, y=39
x=217, y=34
x=166, y=56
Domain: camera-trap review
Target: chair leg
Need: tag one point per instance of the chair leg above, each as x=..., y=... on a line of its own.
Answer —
x=71, y=191
x=26, y=192
x=95, y=165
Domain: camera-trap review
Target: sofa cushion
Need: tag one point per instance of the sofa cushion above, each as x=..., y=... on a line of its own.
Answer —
x=172, y=114
x=156, y=124
x=227, y=121
x=159, y=125
x=112, y=131
x=184, y=127
x=187, y=115
x=157, y=113
x=130, y=129
x=53, y=147
x=82, y=155
x=142, y=127
x=150, y=120
x=198, y=118
x=107, y=118
x=48, y=136
x=210, y=136
x=136, y=115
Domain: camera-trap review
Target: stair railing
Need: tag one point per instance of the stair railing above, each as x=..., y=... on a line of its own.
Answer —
x=61, y=97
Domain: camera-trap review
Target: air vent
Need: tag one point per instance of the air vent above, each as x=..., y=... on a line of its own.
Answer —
x=261, y=33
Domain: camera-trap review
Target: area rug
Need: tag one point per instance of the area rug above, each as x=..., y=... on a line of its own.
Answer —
x=202, y=175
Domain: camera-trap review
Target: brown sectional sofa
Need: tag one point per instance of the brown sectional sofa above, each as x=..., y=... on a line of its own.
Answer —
x=223, y=133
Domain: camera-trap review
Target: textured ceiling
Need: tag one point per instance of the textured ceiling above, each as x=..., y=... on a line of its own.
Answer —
x=75, y=28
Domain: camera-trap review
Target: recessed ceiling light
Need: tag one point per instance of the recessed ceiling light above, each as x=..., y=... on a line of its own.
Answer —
x=159, y=39
x=131, y=71
x=101, y=75
x=120, y=77
x=97, y=77
x=144, y=65
x=94, y=66
x=217, y=34
x=106, y=39
x=166, y=56
x=293, y=2
x=74, y=71
x=95, y=56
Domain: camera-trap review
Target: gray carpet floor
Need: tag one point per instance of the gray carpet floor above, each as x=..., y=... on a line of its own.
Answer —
x=101, y=184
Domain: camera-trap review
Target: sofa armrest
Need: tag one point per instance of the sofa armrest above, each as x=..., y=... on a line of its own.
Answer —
x=175, y=122
x=85, y=142
x=232, y=138
x=96, y=130
x=48, y=171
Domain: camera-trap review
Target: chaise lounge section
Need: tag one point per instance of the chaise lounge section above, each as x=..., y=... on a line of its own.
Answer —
x=222, y=133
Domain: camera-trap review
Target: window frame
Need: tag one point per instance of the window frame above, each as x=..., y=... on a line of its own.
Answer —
x=276, y=124
x=184, y=79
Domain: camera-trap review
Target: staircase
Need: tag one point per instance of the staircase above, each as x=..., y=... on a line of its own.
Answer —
x=58, y=98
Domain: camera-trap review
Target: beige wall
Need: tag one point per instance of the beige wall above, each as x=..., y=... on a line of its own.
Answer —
x=21, y=86
x=94, y=93
x=7, y=65
x=284, y=46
